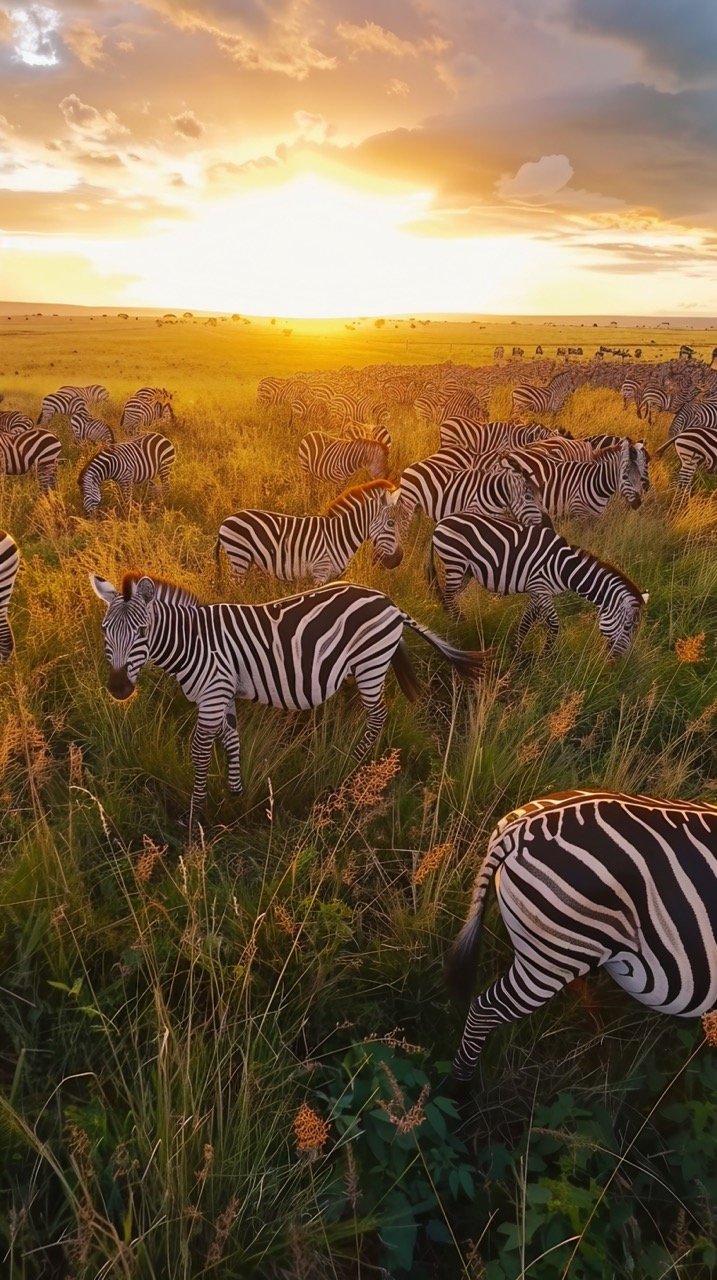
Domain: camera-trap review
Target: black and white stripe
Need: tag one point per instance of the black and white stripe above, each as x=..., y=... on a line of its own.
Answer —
x=292, y=653
x=696, y=449
x=9, y=565
x=314, y=547
x=549, y=399
x=94, y=393
x=481, y=437
x=438, y=490
x=508, y=558
x=140, y=412
x=589, y=880
x=131, y=462
x=87, y=430
x=58, y=402
x=578, y=490
x=34, y=450
x=12, y=422
x=695, y=413
x=327, y=458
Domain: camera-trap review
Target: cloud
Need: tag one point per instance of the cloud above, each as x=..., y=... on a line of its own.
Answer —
x=6, y=26
x=33, y=32
x=669, y=35
x=313, y=128
x=85, y=42
x=187, y=125
x=87, y=120
x=371, y=38
x=537, y=178
x=398, y=88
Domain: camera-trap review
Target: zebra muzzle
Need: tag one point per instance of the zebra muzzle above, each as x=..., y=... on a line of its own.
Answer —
x=389, y=561
x=119, y=684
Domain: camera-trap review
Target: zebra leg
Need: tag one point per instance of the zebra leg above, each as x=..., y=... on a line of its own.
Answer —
x=205, y=732
x=528, y=620
x=370, y=685
x=546, y=610
x=455, y=576
x=232, y=746
x=519, y=992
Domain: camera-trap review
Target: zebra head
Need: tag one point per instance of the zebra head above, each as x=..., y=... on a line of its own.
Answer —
x=523, y=499
x=619, y=617
x=630, y=484
x=88, y=482
x=383, y=530
x=126, y=628
x=641, y=458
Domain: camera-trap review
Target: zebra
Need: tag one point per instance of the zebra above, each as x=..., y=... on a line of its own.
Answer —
x=93, y=393
x=293, y=654
x=462, y=404
x=327, y=458
x=86, y=429
x=652, y=399
x=369, y=431
x=480, y=437
x=33, y=450
x=58, y=402
x=140, y=412
x=131, y=462
x=543, y=399
x=509, y=558
x=498, y=353
x=9, y=565
x=440, y=491
x=154, y=393
x=315, y=547
x=630, y=390
x=641, y=454
x=695, y=413
x=695, y=448
x=12, y=422
x=579, y=490
x=591, y=880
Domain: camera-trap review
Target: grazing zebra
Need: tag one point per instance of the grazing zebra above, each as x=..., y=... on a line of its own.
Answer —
x=641, y=455
x=345, y=408
x=89, y=430
x=510, y=558
x=154, y=393
x=498, y=353
x=695, y=448
x=630, y=389
x=327, y=458
x=12, y=421
x=33, y=450
x=316, y=547
x=369, y=431
x=481, y=437
x=128, y=463
x=695, y=413
x=462, y=404
x=578, y=490
x=9, y=565
x=140, y=412
x=94, y=393
x=58, y=402
x=438, y=491
x=591, y=880
x=292, y=653
x=543, y=399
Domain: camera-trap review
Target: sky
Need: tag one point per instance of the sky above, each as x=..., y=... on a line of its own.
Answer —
x=345, y=157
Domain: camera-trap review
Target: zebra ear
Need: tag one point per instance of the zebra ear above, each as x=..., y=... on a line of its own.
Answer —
x=103, y=589
x=145, y=590
x=393, y=496
x=646, y=596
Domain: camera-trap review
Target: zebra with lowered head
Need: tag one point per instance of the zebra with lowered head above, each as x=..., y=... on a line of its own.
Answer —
x=293, y=654
x=510, y=559
x=12, y=422
x=438, y=490
x=87, y=430
x=328, y=458
x=150, y=458
x=9, y=565
x=315, y=547
x=33, y=450
x=481, y=437
x=578, y=490
x=58, y=402
x=590, y=880
x=92, y=394
x=549, y=399
x=140, y=412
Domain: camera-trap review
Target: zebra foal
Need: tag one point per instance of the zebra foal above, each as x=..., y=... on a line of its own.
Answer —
x=588, y=880
x=315, y=547
x=508, y=558
x=150, y=458
x=9, y=565
x=293, y=654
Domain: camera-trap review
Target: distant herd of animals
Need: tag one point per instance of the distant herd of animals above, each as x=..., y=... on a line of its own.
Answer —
x=584, y=879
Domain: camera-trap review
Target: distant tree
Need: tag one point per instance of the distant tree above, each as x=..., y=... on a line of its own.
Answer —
x=236, y=316
x=287, y=332
x=188, y=315
x=273, y=320
x=379, y=323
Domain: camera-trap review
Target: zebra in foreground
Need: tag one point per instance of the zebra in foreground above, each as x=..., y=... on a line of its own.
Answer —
x=695, y=448
x=9, y=565
x=327, y=458
x=589, y=880
x=438, y=490
x=89, y=430
x=12, y=422
x=638, y=448
x=529, y=399
x=315, y=547
x=131, y=462
x=579, y=490
x=292, y=654
x=140, y=412
x=480, y=437
x=508, y=558
x=33, y=450
x=695, y=413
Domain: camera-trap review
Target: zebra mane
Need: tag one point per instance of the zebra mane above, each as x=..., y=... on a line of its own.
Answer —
x=167, y=590
x=362, y=492
x=613, y=568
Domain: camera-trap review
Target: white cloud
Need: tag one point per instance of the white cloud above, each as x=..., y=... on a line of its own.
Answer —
x=543, y=177
x=33, y=31
x=398, y=88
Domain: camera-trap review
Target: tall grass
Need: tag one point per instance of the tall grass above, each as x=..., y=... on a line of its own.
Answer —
x=169, y=1007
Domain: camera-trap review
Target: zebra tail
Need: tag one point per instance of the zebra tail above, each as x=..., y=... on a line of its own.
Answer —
x=461, y=964
x=218, y=574
x=664, y=446
x=469, y=663
x=405, y=674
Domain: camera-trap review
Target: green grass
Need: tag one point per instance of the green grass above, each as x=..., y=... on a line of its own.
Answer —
x=168, y=1008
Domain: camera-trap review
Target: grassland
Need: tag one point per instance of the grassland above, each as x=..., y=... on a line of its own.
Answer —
x=168, y=1008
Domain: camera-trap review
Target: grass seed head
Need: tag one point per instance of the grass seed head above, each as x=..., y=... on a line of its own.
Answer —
x=311, y=1131
x=691, y=649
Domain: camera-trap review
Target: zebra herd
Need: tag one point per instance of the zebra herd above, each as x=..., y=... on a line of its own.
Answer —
x=585, y=879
